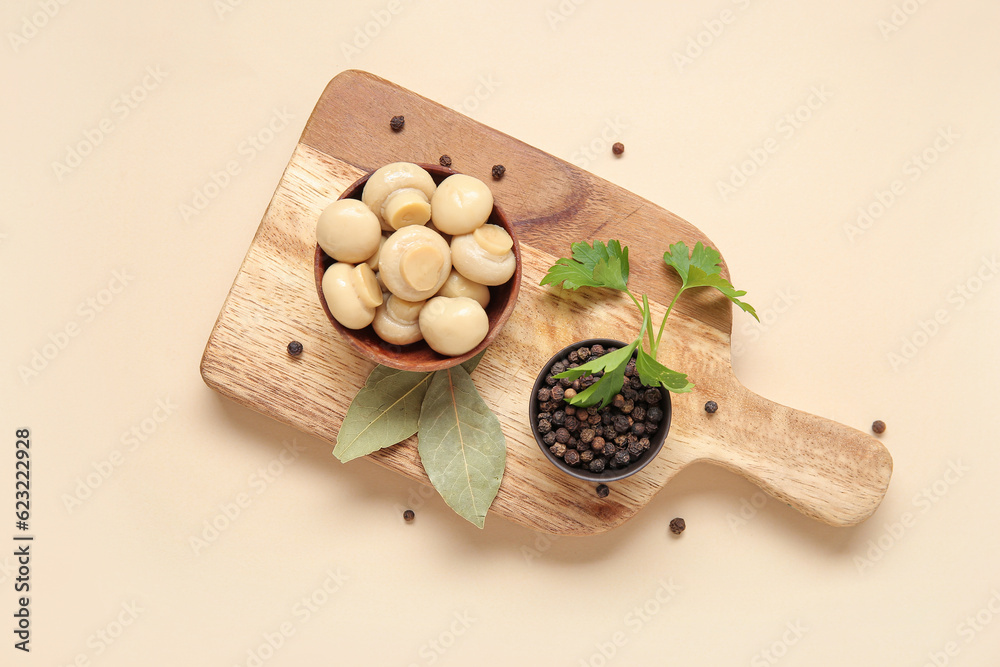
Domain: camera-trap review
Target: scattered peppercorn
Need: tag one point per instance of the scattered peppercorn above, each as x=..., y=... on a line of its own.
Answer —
x=677, y=526
x=618, y=148
x=711, y=407
x=878, y=426
x=408, y=515
x=397, y=123
x=445, y=160
x=295, y=348
x=603, y=490
x=498, y=171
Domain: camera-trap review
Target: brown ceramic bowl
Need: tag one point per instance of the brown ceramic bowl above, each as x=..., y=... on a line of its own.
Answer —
x=419, y=356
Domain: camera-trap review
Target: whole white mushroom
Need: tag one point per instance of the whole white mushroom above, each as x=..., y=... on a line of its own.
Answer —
x=414, y=262
x=348, y=231
x=453, y=325
x=399, y=194
x=485, y=256
x=460, y=204
x=351, y=294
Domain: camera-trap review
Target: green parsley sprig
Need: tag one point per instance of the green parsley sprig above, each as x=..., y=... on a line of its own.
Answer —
x=606, y=266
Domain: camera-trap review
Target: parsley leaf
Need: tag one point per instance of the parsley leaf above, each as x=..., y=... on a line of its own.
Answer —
x=596, y=265
x=653, y=373
x=603, y=391
x=703, y=269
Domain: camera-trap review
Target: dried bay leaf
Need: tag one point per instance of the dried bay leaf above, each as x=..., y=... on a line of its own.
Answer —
x=385, y=411
x=461, y=444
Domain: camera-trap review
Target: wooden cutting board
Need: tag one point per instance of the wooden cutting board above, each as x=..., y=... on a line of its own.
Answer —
x=826, y=470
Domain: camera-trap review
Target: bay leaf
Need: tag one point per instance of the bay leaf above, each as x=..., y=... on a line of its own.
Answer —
x=461, y=444
x=385, y=411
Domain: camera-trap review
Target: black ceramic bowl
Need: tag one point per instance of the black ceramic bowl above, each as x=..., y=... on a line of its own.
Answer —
x=655, y=441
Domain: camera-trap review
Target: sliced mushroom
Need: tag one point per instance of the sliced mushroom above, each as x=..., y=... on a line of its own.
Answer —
x=453, y=325
x=485, y=256
x=459, y=285
x=414, y=263
x=348, y=231
x=352, y=294
x=391, y=178
x=460, y=204
x=396, y=321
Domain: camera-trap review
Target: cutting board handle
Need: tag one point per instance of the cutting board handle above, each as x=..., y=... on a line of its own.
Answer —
x=824, y=469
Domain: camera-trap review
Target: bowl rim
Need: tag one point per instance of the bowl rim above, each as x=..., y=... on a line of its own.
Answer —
x=393, y=355
x=608, y=475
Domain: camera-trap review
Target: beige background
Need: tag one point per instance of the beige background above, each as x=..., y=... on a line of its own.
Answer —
x=754, y=583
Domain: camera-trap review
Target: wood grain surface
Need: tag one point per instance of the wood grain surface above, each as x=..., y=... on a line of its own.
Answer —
x=824, y=469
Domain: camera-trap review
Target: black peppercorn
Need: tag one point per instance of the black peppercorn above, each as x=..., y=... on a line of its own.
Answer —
x=618, y=401
x=574, y=357
x=711, y=407
x=618, y=148
x=677, y=526
x=622, y=423
x=629, y=393
x=562, y=436
x=566, y=383
x=644, y=443
x=295, y=348
x=639, y=413
x=558, y=367
x=570, y=410
x=558, y=417
x=498, y=171
x=597, y=350
x=622, y=457
x=397, y=123
x=597, y=465
x=594, y=420
x=572, y=457
x=408, y=515
x=628, y=406
x=586, y=456
x=603, y=490
x=544, y=394
x=571, y=424
x=878, y=426
x=654, y=414
x=638, y=428
x=549, y=438
x=551, y=381
x=650, y=428
x=559, y=449
x=557, y=393
x=634, y=449
x=598, y=444
x=630, y=369
x=652, y=396
x=544, y=426
x=548, y=406
x=620, y=441
x=583, y=353
x=445, y=160
x=609, y=449
x=587, y=436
